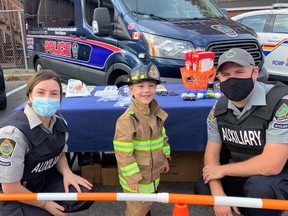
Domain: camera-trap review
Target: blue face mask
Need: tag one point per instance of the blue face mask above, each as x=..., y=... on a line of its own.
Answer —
x=45, y=106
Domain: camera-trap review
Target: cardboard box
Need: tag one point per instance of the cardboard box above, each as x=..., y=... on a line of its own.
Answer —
x=110, y=176
x=202, y=61
x=92, y=173
x=109, y=169
x=184, y=167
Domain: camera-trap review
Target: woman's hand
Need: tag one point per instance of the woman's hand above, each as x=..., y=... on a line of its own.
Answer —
x=69, y=178
x=225, y=210
x=54, y=208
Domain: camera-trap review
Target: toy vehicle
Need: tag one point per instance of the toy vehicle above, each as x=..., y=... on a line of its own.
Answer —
x=100, y=41
x=272, y=29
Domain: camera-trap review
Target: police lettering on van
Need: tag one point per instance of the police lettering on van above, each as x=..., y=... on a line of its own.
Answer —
x=99, y=41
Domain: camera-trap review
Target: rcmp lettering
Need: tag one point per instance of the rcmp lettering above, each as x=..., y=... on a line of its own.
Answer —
x=242, y=137
x=280, y=126
x=40, y=167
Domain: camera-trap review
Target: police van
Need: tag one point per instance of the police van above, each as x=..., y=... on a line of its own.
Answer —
x=99, y=41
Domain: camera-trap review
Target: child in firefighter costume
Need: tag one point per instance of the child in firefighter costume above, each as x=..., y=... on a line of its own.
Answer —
x=32, y=152
x=140, y=141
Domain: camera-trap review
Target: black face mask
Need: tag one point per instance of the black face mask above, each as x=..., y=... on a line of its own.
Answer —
x=236, y=89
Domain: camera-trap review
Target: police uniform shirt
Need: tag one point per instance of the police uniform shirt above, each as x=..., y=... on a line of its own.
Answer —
x=13, y=147
x=274, y=134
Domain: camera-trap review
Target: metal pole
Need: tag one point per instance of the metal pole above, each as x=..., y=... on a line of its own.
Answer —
x=23, y=39
x=160, y=197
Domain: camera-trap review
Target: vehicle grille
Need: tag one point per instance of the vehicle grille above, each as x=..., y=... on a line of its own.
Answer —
x=250, y=46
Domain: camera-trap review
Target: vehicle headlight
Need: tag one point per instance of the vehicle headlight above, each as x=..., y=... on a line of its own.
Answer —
x=163, y=47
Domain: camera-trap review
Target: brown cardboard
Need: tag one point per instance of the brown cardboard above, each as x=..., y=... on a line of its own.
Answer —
x=109, y=170
x=184, y=167
x=92, y=173
x=110, y=176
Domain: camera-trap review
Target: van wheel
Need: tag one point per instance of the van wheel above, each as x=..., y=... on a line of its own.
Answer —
x=3, y=104
x=122, y=78
x=38, y=65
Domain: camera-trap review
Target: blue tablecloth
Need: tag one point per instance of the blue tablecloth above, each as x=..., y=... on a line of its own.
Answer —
x=92, y=124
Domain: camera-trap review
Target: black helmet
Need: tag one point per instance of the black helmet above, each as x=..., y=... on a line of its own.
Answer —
x=142, y=73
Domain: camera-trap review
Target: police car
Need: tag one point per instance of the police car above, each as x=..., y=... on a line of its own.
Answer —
x=271, y=27
x=3, y=99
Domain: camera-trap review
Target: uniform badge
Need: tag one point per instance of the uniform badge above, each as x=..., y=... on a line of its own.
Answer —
x=282, y=112
x=153, y=73
x=225, y=29
x=7, y=147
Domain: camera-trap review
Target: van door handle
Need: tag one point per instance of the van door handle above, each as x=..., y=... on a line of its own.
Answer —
x=274, y=39
x=83, y=37
x=72, y=35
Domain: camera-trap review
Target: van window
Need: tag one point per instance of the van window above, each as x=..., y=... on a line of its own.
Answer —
x=56, y=13
x=90, y=5
x=256, y=22
x=281, y=24
x=174, y=9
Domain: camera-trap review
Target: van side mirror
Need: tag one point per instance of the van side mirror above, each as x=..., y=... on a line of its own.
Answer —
x=101, y=24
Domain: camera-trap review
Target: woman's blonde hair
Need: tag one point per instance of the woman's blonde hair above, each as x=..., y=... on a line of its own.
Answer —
x=40, y=76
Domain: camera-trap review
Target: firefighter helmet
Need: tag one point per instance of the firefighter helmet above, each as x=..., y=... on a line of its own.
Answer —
x=142, y=73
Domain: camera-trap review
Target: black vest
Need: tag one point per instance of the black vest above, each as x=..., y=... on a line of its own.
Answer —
x=44, y=148
x=246, y=137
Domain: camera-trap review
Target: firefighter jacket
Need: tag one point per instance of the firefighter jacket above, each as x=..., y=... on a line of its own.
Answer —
x=246, y=137
x=140, y=145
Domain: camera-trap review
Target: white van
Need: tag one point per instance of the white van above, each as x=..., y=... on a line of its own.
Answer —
x=271, y=27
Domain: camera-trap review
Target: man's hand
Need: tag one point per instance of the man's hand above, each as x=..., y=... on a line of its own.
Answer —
x=212, y=173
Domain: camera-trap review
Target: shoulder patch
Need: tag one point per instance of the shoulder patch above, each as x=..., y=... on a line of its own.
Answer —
x=7, y=147
x=282, y=112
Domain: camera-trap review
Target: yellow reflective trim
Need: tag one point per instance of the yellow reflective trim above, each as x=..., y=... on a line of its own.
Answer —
x=130, y=170
x=148, y=144
x=123, y=146
x=143, y=188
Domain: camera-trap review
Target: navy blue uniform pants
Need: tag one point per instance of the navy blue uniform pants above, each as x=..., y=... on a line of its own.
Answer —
x=53, y=183
x=270, y=187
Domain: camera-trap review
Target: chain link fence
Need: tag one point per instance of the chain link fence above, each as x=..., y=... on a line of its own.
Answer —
x=12, y=39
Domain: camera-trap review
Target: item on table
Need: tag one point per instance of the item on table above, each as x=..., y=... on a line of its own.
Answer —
x=76, y=88
x=210, y=87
